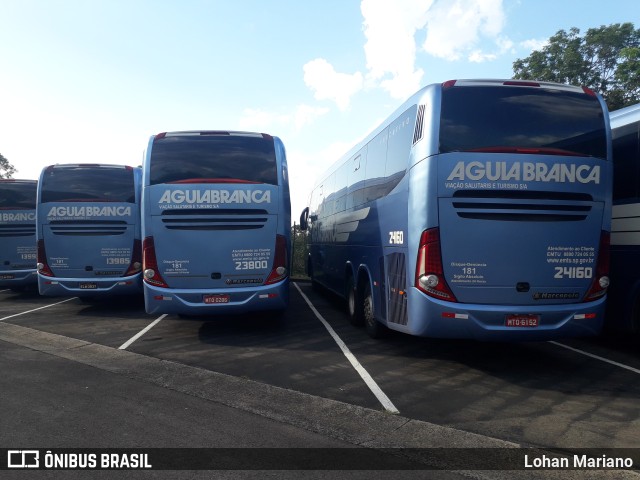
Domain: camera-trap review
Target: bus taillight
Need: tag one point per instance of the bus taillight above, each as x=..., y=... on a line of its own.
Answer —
x=42, y=265
x=151, y=274
x=136, y=259
x=280, y=262
x=429, y=271
x=600, y=281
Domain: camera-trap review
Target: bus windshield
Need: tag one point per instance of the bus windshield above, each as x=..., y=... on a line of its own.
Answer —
x=516, y=120
x=88, y=184
x=213, y=159
x=18, y=196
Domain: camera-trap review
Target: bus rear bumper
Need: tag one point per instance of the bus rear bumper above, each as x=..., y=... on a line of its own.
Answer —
x=89, y=287
x=231, y=301
x=18, y=278
x=439, y=319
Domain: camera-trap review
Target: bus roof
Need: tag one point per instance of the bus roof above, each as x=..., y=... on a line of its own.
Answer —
x=211, y=132
x=86, y=165
x=17, y=180
x=624, y=116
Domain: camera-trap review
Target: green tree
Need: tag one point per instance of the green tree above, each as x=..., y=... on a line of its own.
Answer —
x=605, y=59
x=6, y=169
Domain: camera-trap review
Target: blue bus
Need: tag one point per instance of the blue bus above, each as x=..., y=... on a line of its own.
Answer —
x=216, y=223
x=88, y=231
x=623, y=307
x=480, y=209
x=17, y=233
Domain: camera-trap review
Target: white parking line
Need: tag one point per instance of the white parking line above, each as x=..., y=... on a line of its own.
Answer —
x=126, y=344
x=39, y=308
x=371, y=383
x=602, y=359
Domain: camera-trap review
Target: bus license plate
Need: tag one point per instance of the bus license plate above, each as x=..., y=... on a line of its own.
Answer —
x=525, y=320
x=88, y=286
x=216, y=298
x=7, y=276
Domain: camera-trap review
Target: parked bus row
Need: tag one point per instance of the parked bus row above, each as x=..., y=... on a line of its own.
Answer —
x=479, y=209
x=203, y=227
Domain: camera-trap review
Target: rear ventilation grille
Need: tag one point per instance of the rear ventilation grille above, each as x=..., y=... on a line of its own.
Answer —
x=214, y=219
x=83, y=228
x=17, y=230
x=418, y=132
x=522, y=206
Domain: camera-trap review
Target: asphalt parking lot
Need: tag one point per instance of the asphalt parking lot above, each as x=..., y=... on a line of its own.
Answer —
x=311, y=374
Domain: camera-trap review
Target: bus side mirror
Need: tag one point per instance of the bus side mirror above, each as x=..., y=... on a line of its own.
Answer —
x=304, y=219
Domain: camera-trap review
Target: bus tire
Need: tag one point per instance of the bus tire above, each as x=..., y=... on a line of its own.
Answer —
x=374, y=328
x=354, y=306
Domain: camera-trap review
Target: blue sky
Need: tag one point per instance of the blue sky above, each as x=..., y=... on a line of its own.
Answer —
x=90, y=80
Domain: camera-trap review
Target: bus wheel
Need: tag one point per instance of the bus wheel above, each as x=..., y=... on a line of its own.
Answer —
x=354, y=307
x=374, y=328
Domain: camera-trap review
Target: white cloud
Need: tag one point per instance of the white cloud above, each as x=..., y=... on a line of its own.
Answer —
x=327, y=84
x=479, y=57
x=454, y=28
x=534, y=44
x=390, y=28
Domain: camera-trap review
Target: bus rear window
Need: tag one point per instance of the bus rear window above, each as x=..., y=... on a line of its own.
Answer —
x=521, y=120
x=213, y=159
x=88, y=184
x=17, y=196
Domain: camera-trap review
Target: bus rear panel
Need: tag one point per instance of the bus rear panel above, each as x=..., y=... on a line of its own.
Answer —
x=17, y=233
x=216, y=223
x=89, y=231
x=483, y=212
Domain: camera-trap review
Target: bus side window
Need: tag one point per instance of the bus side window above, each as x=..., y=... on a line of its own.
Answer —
x=357, y=170
x=341, y=183
x=400, y=141
x=374, y=168
x=327, y=197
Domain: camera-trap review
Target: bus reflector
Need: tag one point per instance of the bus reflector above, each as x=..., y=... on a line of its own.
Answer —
x=151, y=273
x=461, y=316
x=280, y=268
x=42, y=265
x=600, y=281
x=429, y=271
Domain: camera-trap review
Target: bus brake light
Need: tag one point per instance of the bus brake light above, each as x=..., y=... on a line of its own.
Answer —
x=151, y=274
x=280, y=268
x=429, y=271
x=136, y=259
x=42, y=265
x=600, y=281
